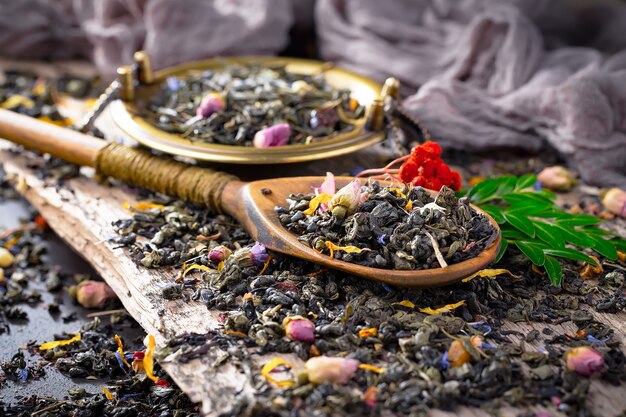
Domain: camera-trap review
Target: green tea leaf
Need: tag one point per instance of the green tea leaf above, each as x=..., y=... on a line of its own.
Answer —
x=597, y=231
x=483, y=189
x=504, y=245
x=579, y=220
x=493, y=211
x=507, y=185
x=525, y=181
x=545, y=194
x=549, y=234
x=604, y=247
x=553, y=268
x=520, y=222
x=511, y=233
x=575, y=237
x=620, y=244
x=570, y=254
x=534, y=253
x=528, y=196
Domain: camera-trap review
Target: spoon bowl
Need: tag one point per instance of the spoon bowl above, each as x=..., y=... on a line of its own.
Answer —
x=253, y=203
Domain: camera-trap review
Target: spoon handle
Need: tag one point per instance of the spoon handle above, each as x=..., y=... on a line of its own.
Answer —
x=136, y=166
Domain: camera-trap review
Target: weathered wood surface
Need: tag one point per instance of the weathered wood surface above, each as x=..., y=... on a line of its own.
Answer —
x=82, y=214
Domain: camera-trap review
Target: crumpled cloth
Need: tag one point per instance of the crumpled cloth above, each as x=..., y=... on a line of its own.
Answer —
x=480, y=74
x=496, y=74
x=171, y=31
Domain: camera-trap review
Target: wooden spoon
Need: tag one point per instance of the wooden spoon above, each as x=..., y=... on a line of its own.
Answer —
x=251, y=204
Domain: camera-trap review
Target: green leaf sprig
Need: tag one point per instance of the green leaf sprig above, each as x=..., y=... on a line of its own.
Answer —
x=530, y=220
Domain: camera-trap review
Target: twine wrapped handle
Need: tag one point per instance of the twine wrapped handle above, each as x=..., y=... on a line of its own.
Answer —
x=136, y=166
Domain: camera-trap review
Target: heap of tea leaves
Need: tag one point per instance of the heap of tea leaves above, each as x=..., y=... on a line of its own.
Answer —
x=531, y=221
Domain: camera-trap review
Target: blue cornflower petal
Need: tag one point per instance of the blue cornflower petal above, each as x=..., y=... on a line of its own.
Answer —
x=381, y=239
x=443, y=362
x=596, y=340
x=22, y=374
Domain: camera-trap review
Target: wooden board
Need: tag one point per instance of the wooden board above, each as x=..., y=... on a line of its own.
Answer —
x=81, y=214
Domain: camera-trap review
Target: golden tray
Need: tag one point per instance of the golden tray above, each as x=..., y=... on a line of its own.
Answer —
x=367, y=130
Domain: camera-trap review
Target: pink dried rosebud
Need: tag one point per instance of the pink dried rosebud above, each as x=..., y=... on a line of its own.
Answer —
x=259, y=254
x=614, y=200
x=324, y=369
x=346, y=200
x=277, y=135
x=94, y=294
x=299, y=328
x=557, y=178
x=584, y=360
x=211, y=103
x=219, y=253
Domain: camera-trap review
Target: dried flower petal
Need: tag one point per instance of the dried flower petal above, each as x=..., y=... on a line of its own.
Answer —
x=349, y=249
x=299, y=328
x=371, y=368
x=259, y=254
x=142, y=206
x=557, y=178
x=369, y=397
x=107, y=393
x=328, y=186
x=458, y=354
x=584, y=360
x=55, y=343
x=277, y=135
x=365, y=333
x=148, y=361
x=197, y=266
x=405, y=303
x=325, y=369
x=271, y=366
x=120, y=350
x=488, y=273
x=444, y=309
x=589, y=271
x=314, y=204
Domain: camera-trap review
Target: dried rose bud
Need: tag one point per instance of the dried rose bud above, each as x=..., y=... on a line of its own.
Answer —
x=614, y=200
x=219, y=253
x=277, y=135
x=324, y=369
x=299, y=328
x=94, y=294
x=323, y=117
x=259, y=254
x=557, y=178
x=346, y=200
x=6, y=258
x=584, y=360
x=211, y=103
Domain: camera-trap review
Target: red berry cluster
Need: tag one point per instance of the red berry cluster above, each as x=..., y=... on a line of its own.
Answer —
x=426, y=168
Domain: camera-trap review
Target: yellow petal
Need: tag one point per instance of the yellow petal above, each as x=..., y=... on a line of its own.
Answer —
x=372, y=368
x=273, y=364
x=444, y=309
x=148, y=362
x=365, y=333
x=398, y=191
x=405, y=303
x=55, y=343
x=349, y=249
x=409, y=205
x=120, y=349
x=63, y=122
x=319, y=199
x=107, y=393
x=17, y=100
x=201, y=267
x=488, y=273
x=142, y=206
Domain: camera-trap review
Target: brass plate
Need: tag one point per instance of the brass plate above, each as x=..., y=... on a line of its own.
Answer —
x=362, y=88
